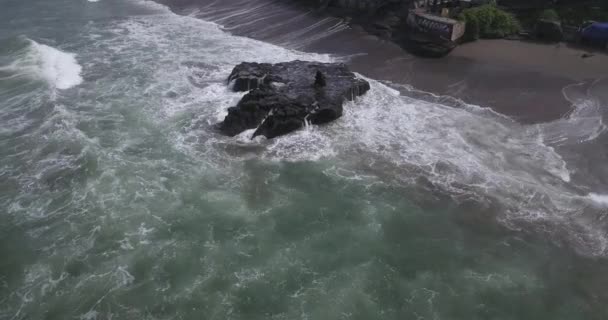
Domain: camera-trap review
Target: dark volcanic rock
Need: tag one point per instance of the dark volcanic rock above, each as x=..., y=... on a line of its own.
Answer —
x=284, y=96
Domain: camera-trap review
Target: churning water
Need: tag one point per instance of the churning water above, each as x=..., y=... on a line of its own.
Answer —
x=119, y=200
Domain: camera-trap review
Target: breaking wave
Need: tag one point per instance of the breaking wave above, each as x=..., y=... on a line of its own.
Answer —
x=58, y=68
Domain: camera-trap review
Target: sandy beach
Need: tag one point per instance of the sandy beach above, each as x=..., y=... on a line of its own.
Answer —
x=560, y=59
x=523, y=80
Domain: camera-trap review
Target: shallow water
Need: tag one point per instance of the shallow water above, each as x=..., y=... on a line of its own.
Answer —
x=119, y=200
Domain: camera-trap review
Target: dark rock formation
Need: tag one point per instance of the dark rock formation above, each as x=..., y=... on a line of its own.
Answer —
x=320, y=81
x=549, y=30
x=283, y=97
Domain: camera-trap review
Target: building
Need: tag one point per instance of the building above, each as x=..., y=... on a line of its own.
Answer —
x=443, y=28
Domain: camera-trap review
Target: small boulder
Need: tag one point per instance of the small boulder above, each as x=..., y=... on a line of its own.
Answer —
x=549, y=30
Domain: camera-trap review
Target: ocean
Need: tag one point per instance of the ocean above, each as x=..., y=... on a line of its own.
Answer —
x=119, y=199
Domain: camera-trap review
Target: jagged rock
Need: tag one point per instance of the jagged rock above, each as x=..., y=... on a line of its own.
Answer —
x=284, y=96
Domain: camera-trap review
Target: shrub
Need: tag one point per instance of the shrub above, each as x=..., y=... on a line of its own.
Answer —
x=471, y=32
x=488, y=21
x=549, y=14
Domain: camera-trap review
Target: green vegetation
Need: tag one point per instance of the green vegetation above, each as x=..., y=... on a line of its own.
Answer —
x=549, y=14
x=578, y=14
x=488, y=21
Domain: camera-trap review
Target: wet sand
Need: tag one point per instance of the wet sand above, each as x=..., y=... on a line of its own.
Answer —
x=523, y=80
x=559, y=59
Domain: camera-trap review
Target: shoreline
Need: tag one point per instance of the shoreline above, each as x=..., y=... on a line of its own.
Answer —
x=520, y=79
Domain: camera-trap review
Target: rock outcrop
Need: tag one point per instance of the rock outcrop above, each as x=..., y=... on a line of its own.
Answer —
x=286, y=96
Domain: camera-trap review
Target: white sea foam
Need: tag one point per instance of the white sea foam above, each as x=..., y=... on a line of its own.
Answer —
x=124, y=277
x=90, y=315
x=584, y=123
x=464, y=149
x=599, y=199
x=424, y=134
x=60, y=69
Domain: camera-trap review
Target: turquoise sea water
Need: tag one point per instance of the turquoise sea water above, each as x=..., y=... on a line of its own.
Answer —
x=119, y=200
